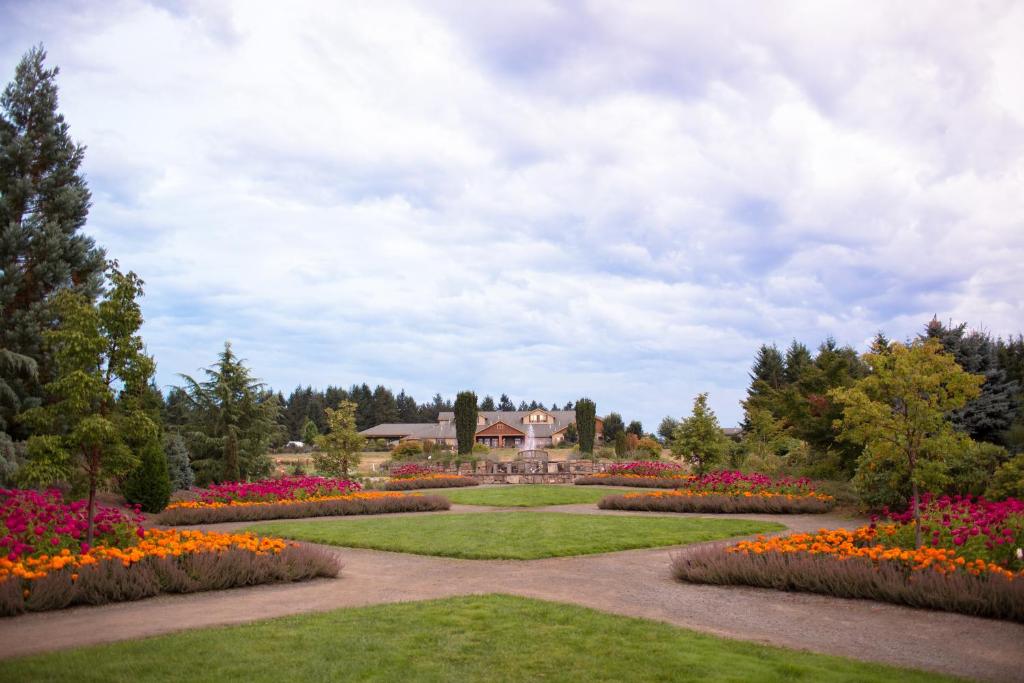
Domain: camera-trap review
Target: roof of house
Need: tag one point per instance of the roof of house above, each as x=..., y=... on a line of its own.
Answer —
x=395, y=429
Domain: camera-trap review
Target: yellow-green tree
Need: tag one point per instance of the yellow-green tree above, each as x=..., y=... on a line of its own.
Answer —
x=699, y=438
x=95, y=409
x=900, y=414
x=338, y=449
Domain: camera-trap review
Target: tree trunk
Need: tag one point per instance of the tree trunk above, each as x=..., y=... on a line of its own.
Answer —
x=917, y=514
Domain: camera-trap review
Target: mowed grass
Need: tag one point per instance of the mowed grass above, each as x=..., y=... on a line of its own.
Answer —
x=512, y=535
x=528, y=495
x=475, y=638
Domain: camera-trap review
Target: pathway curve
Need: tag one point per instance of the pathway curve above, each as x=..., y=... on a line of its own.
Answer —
x=634, y=583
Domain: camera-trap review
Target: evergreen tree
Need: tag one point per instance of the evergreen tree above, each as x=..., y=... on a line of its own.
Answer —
x=487, y=403
x=523, y=405
x=586, y=424
x=568, y=405
x=385, y=408
x=408, y=411
x=635, y=428
x=44, y=202
x=667, y=428
x=572, y=435
x=505, y=403
x=465, y=421
x=149, y=484
x=798, y=359
x=699, y=439
x=309, y=432
x=620, y=444
x=179, y=470
x=613, y=424
x=232, y=421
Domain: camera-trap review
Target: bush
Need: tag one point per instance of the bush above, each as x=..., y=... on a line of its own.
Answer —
x=717, y=503
x=648, y=448
x=854, y=577
x=12, y=455
x=356, y=504
x=110, y=580
x=481, y=449
x=1008, y=480
x=434, y=481
x=149, y=485
x=971, y=467
x=407, y=450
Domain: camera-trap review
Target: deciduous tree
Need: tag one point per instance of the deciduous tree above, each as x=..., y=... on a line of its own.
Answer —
x=338, y=449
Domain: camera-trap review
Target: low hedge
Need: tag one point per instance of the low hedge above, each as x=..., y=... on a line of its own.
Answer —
x=635, y=482
x=717, y=503
x=110, y=581
x=323, y=508
x=984, y=596
x=427, y=483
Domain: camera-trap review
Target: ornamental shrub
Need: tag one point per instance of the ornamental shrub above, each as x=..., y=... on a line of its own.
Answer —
x=407, y=450
x=481, y=449
x=149, y=485
x=648, y=448
x=1008, y=481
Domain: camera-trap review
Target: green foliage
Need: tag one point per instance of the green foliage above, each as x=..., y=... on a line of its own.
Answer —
x=487, y=403
x=1008, y=480
x=648, y=448
x=96, y=405
x=572, y=434
x=179, y=469
x=620, y=444
x=699, y=439
x=12, y=455
x=970, y=468
x=586, y=423
x=667, y=428
x=613, y=425
x=149, y=484
x=481, y=449
x=407, y=450
x=310, y=432
x=465, y=421
x=44, y=202
x=231, y=422
x=899, y=414
x=636, y=428
x=338, y=449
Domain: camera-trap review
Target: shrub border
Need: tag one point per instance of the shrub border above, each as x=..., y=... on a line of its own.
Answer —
x=988, y=595
x=719, y=503
x=323, y=508
x=442, y=483
x=110, y=580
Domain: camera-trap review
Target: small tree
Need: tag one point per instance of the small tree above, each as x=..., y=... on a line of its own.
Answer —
x=667, y=429
x=586, y=423
x=636, y=428
x=699, y=439
x=309, y=432
x=900, y=413
x=613, y=424
x=338, y=449
x=178, y=468
x=94, y=409
x=572, y=435
x=149, y=484
x=622, y=444
x=465, y=421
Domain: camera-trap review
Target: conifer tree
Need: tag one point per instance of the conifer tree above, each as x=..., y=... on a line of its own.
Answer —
x=179, y=470
x=465, y=421
x=44, y=202
x=149, y=484
x=699, y=439
x=586, y=424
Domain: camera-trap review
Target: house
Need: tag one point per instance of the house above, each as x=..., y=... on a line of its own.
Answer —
x=494, y=428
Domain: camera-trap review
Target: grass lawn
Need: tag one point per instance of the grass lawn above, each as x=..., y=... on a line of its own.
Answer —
x=512, y=535
x=528, y=495
x=477, y=638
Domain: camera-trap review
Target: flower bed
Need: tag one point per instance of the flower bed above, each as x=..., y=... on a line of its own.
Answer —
x=414, y=476
x=704, y=501
x=725, y=491
x=273, y=490
x=959, y=570
x=360, y=503
x=46, y=563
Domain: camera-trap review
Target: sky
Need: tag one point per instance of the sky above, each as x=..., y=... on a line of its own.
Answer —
x=550, y=200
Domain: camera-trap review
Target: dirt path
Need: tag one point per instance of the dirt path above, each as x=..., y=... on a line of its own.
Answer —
x=633, y=583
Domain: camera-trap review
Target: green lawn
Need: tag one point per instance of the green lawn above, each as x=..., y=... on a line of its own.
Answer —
x=512, y=535
x=528, y=495
x=477, y=638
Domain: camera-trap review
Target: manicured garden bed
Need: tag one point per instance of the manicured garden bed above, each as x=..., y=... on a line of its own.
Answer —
x=359, y=503
x=474, y=638
x=513, y=535
x=725, y=491
x=414, y=476
x=527, y=495
x=47, y=564
x=971, y=562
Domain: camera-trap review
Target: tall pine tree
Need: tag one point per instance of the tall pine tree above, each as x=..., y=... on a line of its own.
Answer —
x=44, y=202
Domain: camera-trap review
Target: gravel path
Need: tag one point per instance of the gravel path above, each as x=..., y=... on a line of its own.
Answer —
x=634, y=583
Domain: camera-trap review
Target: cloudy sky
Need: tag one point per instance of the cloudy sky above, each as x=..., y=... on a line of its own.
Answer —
x=620, y=200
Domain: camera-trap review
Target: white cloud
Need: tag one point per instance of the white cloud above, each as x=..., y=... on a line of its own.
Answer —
x=616, y=200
